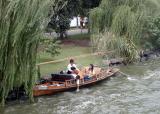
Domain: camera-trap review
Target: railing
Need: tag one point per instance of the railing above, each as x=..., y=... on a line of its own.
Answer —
x=70, y=82
x=73, y=82
x=99, y=76
x=57, y=82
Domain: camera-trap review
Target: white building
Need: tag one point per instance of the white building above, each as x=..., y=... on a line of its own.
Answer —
x=74, y=22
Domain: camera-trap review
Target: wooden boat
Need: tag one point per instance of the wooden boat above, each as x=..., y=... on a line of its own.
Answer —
x=51, y=86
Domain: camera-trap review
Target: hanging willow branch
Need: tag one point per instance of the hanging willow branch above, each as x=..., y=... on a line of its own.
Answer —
x=123, y=19
x=21, y=24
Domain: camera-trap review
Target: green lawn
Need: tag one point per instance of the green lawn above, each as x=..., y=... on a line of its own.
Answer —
x=56, y=67
x=67, y=51
x=82, y=36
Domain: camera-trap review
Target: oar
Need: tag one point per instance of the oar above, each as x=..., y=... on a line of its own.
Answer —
x=77, y=82
x=124, y=74
x=77, y=88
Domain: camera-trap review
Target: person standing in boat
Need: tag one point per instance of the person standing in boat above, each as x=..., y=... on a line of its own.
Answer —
x=75, y=74
x=70, y=65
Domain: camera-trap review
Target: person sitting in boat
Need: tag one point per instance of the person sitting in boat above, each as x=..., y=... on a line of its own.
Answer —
x=70, y=65
x=74, y=72
x=89, y=72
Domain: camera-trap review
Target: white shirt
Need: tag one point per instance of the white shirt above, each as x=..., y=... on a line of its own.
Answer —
x=70, y=66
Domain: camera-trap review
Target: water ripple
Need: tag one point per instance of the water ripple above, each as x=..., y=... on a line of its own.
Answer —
x=135, y=94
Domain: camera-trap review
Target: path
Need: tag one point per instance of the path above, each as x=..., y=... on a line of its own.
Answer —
x=70, y=32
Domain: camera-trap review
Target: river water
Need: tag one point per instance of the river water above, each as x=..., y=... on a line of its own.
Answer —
x=136, y=93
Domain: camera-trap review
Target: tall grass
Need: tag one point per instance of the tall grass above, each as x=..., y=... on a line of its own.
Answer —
x=118, y=25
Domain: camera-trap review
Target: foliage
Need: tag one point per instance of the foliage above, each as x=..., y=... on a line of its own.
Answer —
x=60, y=21
x=122, y=46
x=21, y=25
x=51, y=46
x=120, y=23
x=90, y=3
x=152, y=33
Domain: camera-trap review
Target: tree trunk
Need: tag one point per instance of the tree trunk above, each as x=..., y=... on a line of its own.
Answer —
x=61, y=35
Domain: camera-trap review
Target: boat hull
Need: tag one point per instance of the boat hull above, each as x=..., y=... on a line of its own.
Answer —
x=50, y=90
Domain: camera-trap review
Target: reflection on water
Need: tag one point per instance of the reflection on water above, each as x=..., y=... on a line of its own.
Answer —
x=137, y=93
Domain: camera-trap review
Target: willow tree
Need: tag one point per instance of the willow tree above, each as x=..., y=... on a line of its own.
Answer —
x=118, y=25
x=21, y=25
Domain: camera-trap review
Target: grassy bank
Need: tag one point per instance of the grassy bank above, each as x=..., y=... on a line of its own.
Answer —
x=56, y=67
x=67, y=51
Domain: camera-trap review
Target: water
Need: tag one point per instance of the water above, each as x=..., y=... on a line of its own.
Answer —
x=136, y=93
